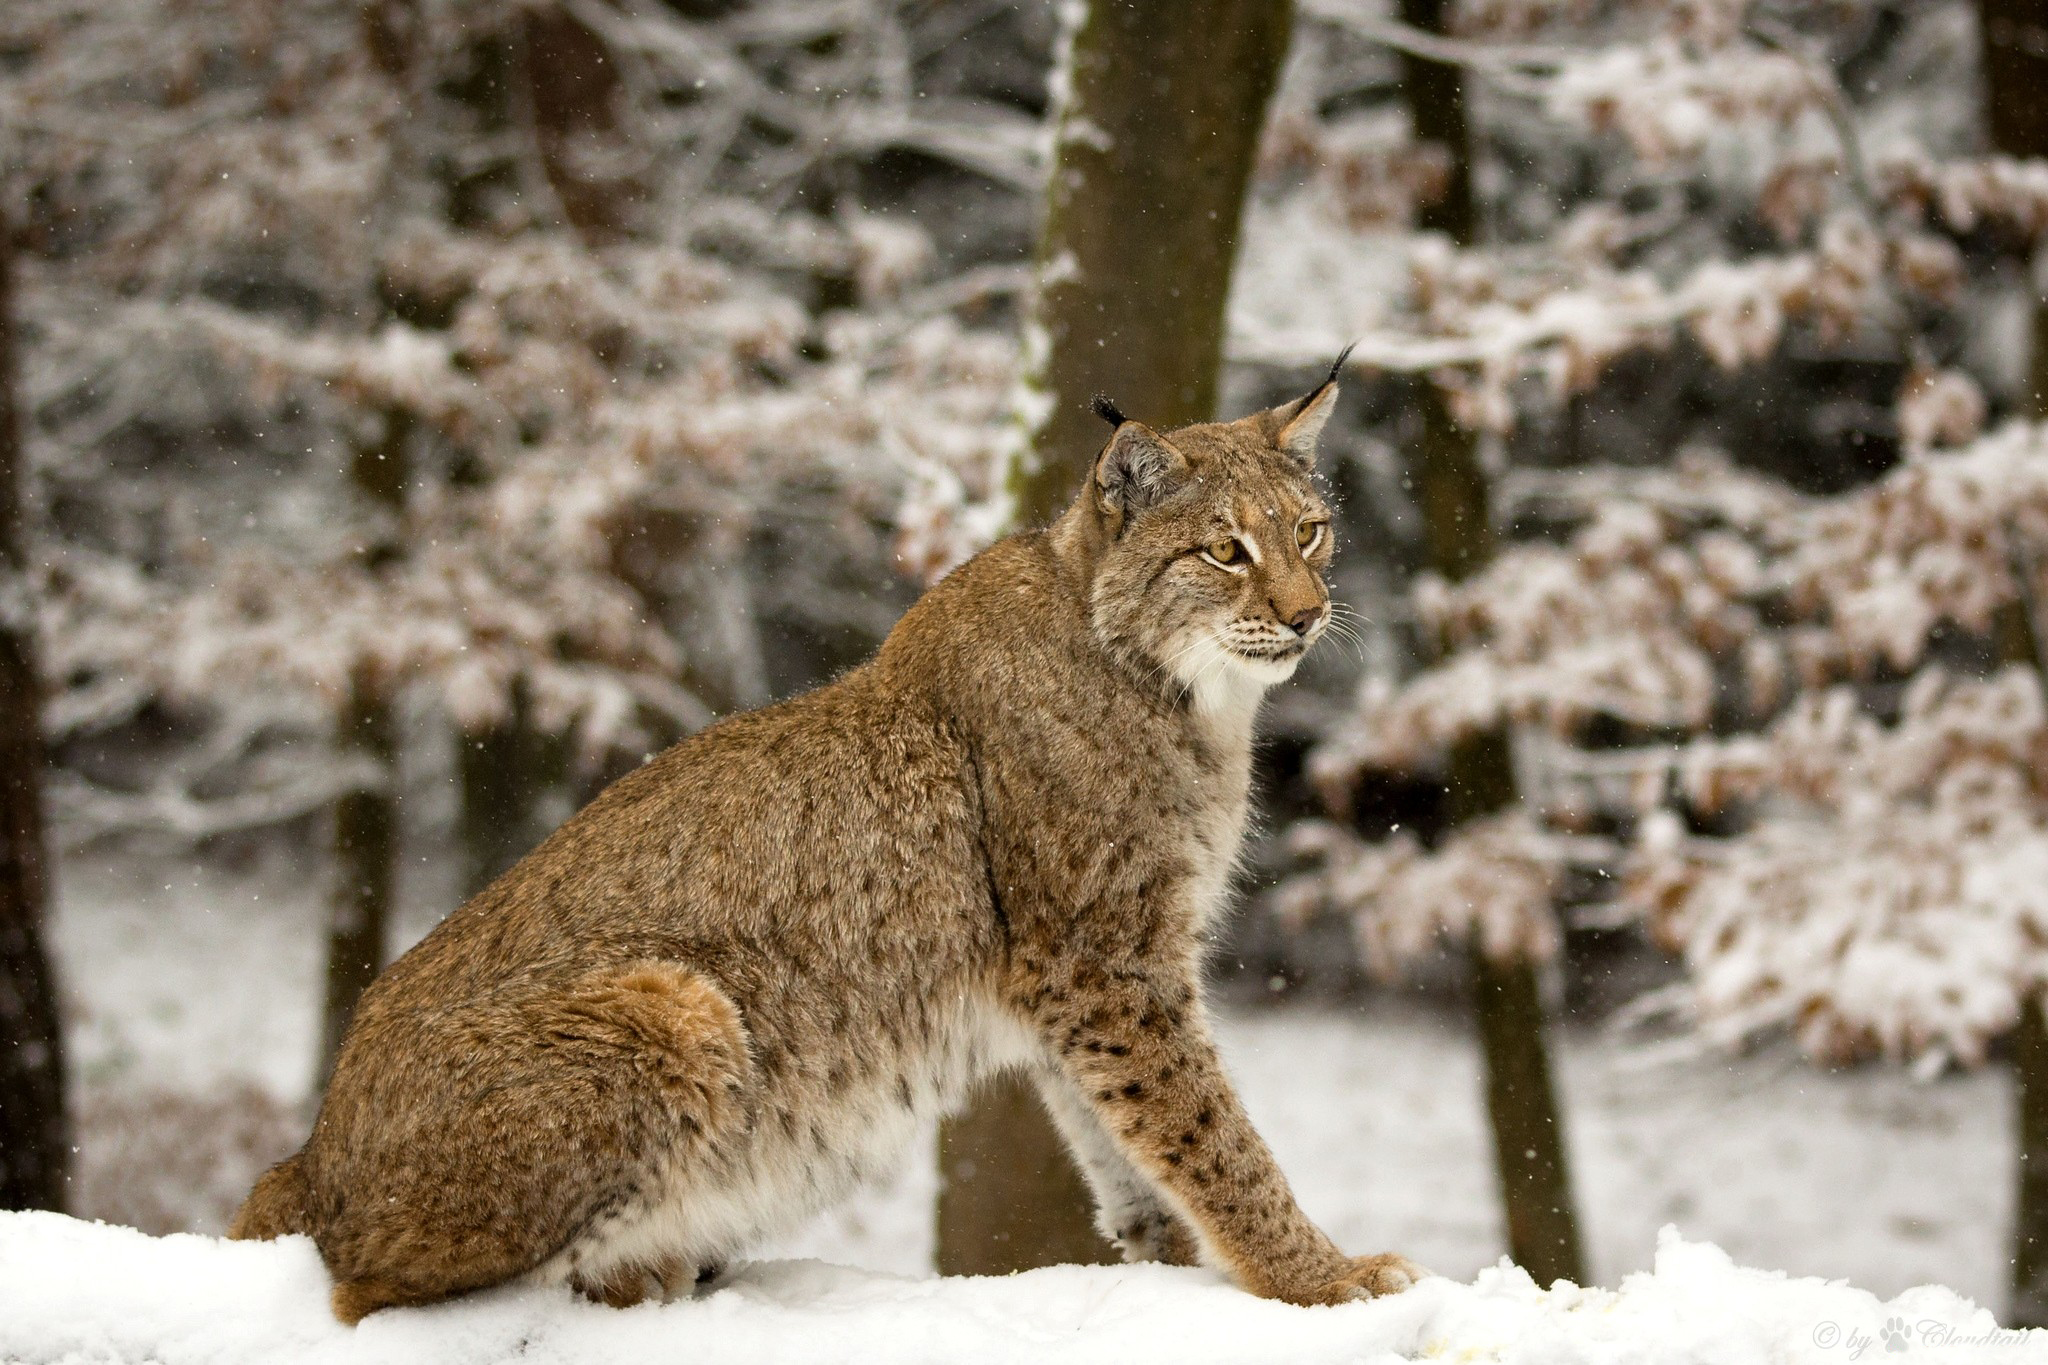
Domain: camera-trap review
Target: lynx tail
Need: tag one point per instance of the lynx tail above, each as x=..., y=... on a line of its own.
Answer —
x=276, y=1207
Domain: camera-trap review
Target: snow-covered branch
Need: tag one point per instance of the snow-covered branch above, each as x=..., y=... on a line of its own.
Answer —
x=1493, y=884
x=1891, y=896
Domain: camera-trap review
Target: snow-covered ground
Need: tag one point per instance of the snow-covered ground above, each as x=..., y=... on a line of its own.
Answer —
x=79, y=1292
x=193, y=1011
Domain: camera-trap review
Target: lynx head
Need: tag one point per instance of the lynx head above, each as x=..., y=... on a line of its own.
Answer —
x=1213, y=545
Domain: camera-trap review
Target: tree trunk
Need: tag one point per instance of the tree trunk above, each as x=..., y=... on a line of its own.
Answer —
x=2029, y=1306
x=365, y=868
x=1155, y=139
x=2014, y=34
x=34, y=1134
x=490, y=774
x=366, y=821
x=1521, y=1099
x=2017, y=643
x=567, y=99
x=1451, y=486
x=2015, y=56
x=1009, y=1196
x=504, y=773
x=1528, y=1144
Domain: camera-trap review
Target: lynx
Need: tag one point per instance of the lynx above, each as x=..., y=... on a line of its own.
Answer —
x=732, y=986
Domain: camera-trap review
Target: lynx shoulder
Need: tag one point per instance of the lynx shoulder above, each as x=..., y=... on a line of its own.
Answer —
x=731, y=987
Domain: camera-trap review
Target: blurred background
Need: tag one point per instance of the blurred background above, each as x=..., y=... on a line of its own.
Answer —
x=418, y=412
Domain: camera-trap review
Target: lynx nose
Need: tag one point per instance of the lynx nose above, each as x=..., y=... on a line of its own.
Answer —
x=1305, y=621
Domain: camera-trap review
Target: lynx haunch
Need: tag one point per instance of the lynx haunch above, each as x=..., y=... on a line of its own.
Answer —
x=730, y=987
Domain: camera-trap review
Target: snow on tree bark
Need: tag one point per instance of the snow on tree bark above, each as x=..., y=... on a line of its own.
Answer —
x=1156, y=132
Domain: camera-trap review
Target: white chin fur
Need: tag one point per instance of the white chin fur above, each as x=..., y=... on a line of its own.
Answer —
x=1269, y=671
x=1225, y=684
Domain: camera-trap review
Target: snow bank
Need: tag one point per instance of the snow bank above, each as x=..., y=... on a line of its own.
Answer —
x=89, y=1292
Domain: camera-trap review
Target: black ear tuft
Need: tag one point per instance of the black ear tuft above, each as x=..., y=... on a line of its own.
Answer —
x=1108, y=411
x=1300, y=422
x=1337, y=368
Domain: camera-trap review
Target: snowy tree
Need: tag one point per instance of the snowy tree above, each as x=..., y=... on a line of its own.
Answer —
x=1681, y=602
x=504, y=358
x=1883, y=897
x=2016, y=110
x=1451, y=491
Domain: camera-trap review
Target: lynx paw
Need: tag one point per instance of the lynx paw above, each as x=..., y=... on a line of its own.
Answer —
x=1372, y=1277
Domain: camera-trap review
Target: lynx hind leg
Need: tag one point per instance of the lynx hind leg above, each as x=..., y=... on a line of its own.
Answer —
x=691, y=1054
x=673, y=1026
x=547, y=1137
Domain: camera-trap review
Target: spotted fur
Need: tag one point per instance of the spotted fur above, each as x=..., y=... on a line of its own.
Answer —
x=730, y=988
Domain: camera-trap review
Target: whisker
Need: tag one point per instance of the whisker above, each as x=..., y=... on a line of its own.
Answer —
x=1221, y=657
x=1166, y=665
x=1175, y=657
x=1347, y=635
x=1350, y=612
x=1355, y=648
x=1214, y=665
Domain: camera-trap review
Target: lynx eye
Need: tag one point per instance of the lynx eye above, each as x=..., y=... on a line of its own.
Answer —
x=1224, y=554
x=1309, y=534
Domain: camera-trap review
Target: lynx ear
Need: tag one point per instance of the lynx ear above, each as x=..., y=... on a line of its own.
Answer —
x=1297, y=425
x=1137, y=468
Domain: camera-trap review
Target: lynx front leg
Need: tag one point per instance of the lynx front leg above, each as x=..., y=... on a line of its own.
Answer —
x=1129, y=1209
x=1135, y=1045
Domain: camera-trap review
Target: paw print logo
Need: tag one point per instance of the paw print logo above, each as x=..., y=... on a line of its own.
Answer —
x=1893, y=1334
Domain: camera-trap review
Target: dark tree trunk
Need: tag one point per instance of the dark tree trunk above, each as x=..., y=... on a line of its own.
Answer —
x=1009, y=1196
x=1155, y=145
x=1435, y=95
x=495, y=773
x=2015, y=41
x=1521, y=1097
x=569, y=95
x=1450, y=483
x=2013, y=632
x=365, y=869
x=34, y=1133
x=1528, y=1145
x=2015, y=55
x=2030, y=1232
x=505, y=773
x=1155, y=148
x=490, y=767
x=365, y=846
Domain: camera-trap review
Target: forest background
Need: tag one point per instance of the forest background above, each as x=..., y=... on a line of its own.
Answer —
x=413, y=413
